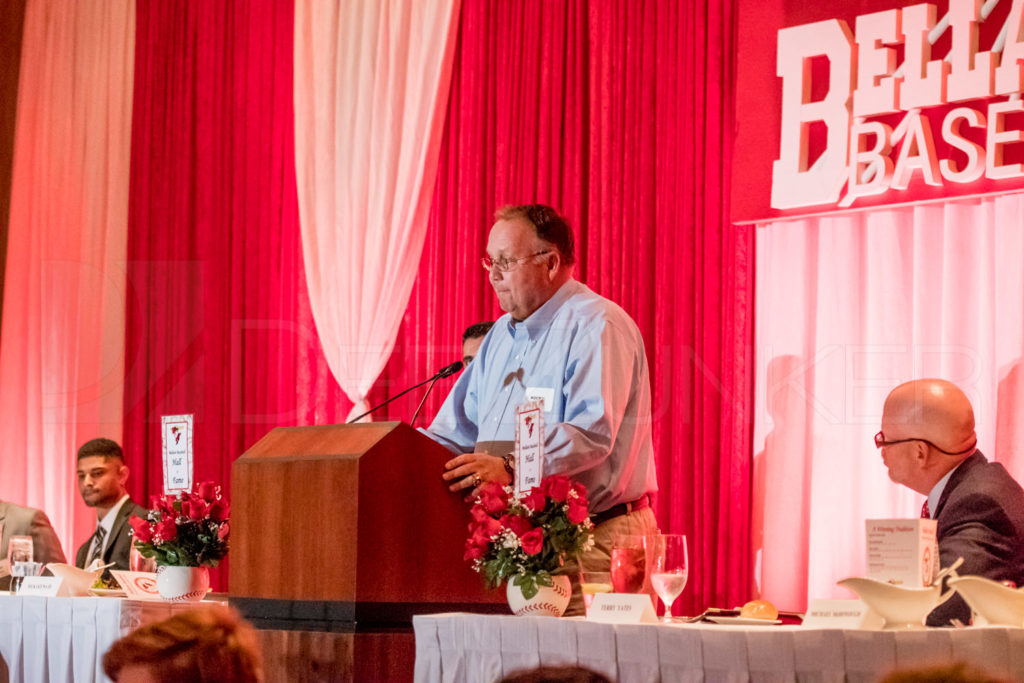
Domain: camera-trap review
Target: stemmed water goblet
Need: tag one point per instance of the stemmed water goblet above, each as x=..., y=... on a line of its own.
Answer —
x=669, y=568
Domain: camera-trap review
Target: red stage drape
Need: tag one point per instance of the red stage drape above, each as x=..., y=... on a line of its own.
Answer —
x=218, y=320
x=617, y=113
x=620, y=115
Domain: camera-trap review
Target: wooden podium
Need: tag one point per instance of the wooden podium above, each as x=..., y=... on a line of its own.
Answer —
x=340, y=527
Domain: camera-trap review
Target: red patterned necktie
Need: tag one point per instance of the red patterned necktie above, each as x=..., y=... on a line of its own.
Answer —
x=925, y=512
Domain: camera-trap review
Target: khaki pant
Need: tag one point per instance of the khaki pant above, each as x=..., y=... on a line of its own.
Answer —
x=599, y=559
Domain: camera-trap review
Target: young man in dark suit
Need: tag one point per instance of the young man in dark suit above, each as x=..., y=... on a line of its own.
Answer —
x=929, y=445
x=102, y=476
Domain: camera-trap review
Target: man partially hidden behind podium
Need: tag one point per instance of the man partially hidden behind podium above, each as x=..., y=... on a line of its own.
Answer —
x=102, y=476
x=929, y=445
x=578, y=351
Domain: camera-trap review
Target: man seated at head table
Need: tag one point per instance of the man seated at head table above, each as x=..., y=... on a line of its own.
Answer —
x=102, y=477
x=472, y=338
x=928, y=444
x=579, y=352
x=16, y=520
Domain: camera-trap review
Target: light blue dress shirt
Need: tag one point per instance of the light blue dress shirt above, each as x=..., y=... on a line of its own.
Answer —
x=587, y=354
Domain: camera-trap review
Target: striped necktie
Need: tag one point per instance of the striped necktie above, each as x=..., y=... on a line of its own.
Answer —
x=96, y=549
x=925, y=512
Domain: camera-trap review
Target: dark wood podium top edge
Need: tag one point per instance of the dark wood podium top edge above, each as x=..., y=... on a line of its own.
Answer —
x=338, y=441
x=391, y=424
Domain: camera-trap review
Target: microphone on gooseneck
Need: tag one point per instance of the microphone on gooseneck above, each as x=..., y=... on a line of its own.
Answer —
x=443, y=372
x=446, y=371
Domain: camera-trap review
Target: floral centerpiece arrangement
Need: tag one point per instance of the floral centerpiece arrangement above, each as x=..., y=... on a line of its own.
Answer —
x=526, y=538
x=185, y=530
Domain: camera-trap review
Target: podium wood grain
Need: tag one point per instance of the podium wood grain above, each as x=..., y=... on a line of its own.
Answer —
x=321, y=657
x=350, y=513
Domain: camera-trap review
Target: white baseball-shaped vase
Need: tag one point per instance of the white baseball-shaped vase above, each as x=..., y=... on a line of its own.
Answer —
x=548, y=602
x=182, y=584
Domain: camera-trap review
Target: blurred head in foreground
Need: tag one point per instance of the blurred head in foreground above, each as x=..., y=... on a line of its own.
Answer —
x=556, y=674
x=202, y=645
x=947, y=673
x=927, y=430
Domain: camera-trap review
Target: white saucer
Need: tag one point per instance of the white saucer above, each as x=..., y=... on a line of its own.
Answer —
x=742, y=621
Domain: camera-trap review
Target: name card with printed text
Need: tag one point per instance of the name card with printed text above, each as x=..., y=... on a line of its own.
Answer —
x=176, y=435
x=47, y=586
x=850, y=614
x=529, y=449
x=903, y=552
x=622, y=608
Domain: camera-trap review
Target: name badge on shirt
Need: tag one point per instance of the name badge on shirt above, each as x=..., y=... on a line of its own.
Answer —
x=529, y=451
x=545, y=396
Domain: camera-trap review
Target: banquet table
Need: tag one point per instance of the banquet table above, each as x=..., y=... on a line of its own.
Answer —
x=63, y=639
x=484, y=648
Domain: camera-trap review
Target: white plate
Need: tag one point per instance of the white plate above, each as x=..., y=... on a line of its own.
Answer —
x=108, y=592
x=741, y=621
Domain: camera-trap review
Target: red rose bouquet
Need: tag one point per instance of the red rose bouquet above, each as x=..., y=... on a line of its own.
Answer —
x=526, y=538
x=186, y=530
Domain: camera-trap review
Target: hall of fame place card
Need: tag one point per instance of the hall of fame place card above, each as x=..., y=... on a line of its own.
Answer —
x=176, y=435
x=529, y=450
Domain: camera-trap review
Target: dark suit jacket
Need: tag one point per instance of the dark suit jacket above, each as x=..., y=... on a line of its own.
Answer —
x=21, y=521
x=980, y=517
x=120, y=542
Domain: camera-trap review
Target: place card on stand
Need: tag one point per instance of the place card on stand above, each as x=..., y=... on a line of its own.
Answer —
x=622, y=608
x=903, y=552
x=47, y=586
x=137, y=585
x=176, y=434
x=851, y=614
x=529, y=446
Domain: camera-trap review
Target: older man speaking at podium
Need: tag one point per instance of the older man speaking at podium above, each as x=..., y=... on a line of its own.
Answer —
x=578, y=351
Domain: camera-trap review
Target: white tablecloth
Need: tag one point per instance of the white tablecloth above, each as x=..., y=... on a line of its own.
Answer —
x=481, y=648
x=63, y=639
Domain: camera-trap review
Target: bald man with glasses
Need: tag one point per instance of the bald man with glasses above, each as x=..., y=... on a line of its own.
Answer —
x=929, y=445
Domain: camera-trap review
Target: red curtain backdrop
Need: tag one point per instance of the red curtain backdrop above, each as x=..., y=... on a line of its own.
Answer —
x=10, y=57
x=617, y=113
x=620, y=115
x=218, y=321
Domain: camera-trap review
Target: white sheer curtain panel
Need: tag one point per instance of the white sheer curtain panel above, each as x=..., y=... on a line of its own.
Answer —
x=847, y=308
x=62, y=347
x=371, y=87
